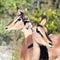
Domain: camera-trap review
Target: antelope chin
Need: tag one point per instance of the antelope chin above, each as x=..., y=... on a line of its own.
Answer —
x=50, y=46
x=8, y=30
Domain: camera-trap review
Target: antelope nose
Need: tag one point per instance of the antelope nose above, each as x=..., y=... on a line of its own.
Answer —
x=6, y=28
x=51, y=44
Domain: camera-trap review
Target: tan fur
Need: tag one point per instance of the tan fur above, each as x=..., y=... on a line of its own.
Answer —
x=25, y=52
x=54, y=51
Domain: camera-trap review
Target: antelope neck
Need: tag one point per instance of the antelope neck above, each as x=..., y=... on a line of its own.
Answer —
x=26, y=32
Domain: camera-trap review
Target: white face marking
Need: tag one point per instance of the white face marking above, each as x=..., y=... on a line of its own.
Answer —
x=58, y=58
x=29, y=25
x=18, y=18
x=40, y=30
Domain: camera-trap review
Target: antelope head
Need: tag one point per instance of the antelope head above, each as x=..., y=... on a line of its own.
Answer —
x=16, y=24
x=21, y=22
x=41, y=37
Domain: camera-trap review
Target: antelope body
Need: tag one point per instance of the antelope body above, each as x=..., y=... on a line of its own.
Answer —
x=55, y=38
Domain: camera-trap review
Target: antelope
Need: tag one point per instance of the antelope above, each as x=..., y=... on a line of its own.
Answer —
x=55, y=38
x=31, y=36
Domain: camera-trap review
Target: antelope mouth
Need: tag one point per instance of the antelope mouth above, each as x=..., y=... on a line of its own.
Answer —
x=50, y=45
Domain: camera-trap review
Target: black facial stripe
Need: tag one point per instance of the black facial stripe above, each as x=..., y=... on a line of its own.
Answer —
x=40, y=25
x=39, y=32
x=24, y=19
x=48, y=37
x=42, y=35
x=21, y=15
x=25, y=22
x=30, y=46
x=16, y=21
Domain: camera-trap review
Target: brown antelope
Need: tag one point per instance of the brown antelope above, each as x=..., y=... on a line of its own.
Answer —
x=54, y=51
x=31, y=36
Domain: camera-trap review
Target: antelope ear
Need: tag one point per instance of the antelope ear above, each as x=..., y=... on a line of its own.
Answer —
x=17, y=8
x=43, y=20
x=44, y=17
x=20, y=10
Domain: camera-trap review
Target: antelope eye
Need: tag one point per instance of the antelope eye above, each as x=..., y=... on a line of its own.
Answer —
x=19, y=19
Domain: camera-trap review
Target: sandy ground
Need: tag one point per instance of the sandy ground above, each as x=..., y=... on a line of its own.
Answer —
x=5, y=53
